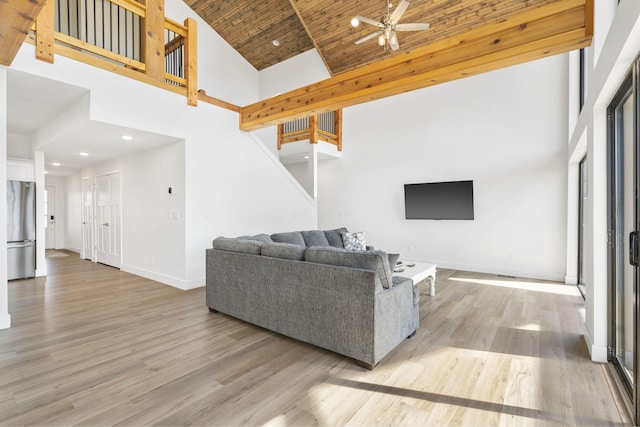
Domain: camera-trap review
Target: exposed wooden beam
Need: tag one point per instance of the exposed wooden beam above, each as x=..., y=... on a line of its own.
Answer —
x=547, y=30
x=16, y=19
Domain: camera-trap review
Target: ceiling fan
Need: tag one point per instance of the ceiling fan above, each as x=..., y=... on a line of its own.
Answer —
x=388, y=26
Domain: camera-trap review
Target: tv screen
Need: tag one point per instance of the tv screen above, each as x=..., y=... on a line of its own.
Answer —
x=439, y=200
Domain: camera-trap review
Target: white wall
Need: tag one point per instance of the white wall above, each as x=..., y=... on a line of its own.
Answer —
x=505, y=130
x=5, y=317
x=58, y=182
x=617, y=42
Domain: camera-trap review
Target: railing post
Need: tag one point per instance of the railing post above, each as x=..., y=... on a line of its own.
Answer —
x=154, y=39
x=338, y=129
x=45, y=32
x=313, y=129
x=280, y=132
x=191, y=61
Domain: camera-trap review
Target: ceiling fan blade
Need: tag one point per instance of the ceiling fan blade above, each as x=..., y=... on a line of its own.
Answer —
x=368, y=21
x=370, y=36
x=412, y=27
x=402, y=7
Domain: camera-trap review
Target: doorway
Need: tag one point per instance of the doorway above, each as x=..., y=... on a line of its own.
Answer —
x=624, y=179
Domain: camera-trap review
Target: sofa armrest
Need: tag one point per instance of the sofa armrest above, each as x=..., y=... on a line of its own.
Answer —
x=396, y=316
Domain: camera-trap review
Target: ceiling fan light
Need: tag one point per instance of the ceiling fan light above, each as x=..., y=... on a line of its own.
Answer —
x=393, y=39
x=355, y=21
x=381, y=40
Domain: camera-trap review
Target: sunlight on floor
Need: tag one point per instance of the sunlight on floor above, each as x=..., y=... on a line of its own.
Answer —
x=552, y=288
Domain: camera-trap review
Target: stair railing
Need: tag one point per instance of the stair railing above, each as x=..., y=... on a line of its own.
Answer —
x=123, y=36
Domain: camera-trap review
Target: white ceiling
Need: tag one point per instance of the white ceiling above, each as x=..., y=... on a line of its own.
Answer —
x=33, y=101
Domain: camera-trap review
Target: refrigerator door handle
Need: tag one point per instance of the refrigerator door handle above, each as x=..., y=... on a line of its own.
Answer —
x=22, y=245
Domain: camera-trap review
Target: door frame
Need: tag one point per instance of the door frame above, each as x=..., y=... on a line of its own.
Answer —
x=629, y=84
x=91, y=220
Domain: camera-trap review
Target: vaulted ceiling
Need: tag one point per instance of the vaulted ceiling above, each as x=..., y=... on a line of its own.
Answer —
x=250, y=26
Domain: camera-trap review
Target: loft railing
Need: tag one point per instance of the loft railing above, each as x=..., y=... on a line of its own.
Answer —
x=122, y=36
x=323, y=127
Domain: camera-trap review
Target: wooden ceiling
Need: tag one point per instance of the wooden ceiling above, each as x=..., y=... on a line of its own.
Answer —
x=533, y=33
x=250, y=26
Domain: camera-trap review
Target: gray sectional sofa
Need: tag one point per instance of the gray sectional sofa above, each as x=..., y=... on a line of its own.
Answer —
x=306, y=286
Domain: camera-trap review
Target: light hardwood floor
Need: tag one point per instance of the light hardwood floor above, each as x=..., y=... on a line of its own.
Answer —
x=91, y=345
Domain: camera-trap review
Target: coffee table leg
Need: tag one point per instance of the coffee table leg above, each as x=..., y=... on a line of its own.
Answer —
x=432, y=285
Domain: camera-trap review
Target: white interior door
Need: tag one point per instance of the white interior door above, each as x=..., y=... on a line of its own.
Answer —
x=87, y=219
x=107, y=197
x=50, y=209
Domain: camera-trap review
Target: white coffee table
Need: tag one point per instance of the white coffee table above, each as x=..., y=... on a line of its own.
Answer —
x=419, y=272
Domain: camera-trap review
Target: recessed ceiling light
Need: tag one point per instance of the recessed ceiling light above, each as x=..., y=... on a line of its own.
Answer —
x=126, y=137
x=46, y=172
x=84, y=154
x=55, y=163
x=275, y=42
x=306, y=157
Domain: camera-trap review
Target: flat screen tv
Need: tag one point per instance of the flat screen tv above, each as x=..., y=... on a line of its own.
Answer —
x=439, y=200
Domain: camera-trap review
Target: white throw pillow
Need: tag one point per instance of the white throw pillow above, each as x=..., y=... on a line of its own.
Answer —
x=354, y=241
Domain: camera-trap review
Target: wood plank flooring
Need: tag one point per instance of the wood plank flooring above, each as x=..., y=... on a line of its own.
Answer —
x=91, y=345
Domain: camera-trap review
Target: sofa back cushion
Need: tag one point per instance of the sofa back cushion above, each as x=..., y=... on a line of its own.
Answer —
x=334, y=237
x=244, y=246
x=314, y=238
x=264, y=238
x=283, y=250
x=368, y=260
x=293, y=237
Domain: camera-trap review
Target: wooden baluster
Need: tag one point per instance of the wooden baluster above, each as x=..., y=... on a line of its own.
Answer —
x=280, y=132
x=191, y=61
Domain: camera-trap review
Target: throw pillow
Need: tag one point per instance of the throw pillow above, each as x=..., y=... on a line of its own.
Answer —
x=354, y=241
x=314, y=238
x=334, y=237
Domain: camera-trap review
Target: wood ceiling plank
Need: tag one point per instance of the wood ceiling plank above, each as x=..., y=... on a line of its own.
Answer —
x=536, y=32
x=16, y=19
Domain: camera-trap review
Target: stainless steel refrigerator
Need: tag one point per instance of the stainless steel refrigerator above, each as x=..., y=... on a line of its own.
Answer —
x=21, y=229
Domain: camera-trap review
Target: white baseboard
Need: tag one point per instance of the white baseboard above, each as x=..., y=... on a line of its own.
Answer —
x=556, y=277
x=184, y=285
x=73, y=249
x=5, y=321
x=598, y=353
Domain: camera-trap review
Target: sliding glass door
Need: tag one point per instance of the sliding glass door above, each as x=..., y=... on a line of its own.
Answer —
x=623, y=234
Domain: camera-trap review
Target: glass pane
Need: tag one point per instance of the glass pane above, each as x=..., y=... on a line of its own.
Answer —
x=625, y=224
x=582, y=221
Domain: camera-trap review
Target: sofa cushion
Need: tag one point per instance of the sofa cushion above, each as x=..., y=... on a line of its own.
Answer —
x=294, y=237
x=370, y=260
x=238, y=245
x=283, y=250
x=264, y=238
x=314, y=238
x=354, y=241
x=334, y=237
